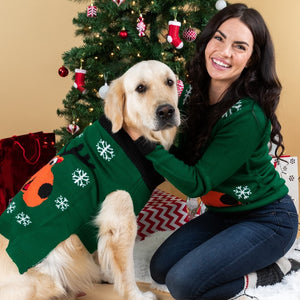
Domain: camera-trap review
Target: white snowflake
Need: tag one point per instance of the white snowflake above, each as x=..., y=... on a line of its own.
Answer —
x=62, y=203
x=242, y=192
x=105, y=150
x=23, y=219
x=12, y=206
x=236, y=107
x=81, y=178
x=187, y=94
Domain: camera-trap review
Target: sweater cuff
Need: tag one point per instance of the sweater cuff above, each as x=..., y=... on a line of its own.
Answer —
x=145, y=146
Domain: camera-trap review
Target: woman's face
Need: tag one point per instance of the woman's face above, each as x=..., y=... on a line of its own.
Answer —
x=228, y=52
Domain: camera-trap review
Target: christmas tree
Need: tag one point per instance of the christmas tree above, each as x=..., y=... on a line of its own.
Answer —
x=116, y=35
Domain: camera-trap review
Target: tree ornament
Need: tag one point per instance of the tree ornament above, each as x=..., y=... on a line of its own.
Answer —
x=192, y=205
x=141, y=26
x=118, y=2
x=173, y=34
x=73, y=128
x=123, y=34
x=180, y=87
x=104, y=88
x=220, y=4
x=91, y=11
x=63, y=71
x=79, y=80
x=189, y=34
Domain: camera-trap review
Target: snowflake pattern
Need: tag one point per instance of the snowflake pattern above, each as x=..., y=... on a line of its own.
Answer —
x=80, y=178
x=187, y=94
x=61, y=203
x=23, y=219
x=105, y=150
x=12, y=206
x=242, y=192
x=236, y=107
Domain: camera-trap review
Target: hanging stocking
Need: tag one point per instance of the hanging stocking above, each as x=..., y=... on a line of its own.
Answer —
x=173, y=34
x=79, y=80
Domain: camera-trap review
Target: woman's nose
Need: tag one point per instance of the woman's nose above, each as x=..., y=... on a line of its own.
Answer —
x=226, y=50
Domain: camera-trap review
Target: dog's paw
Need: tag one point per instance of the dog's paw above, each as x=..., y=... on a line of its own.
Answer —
x=144, y=296
x=149, y=296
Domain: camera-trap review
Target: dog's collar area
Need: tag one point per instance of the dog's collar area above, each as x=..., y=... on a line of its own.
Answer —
x=145, y=167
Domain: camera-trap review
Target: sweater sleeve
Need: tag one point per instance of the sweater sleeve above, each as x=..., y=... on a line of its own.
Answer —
x=234, y=140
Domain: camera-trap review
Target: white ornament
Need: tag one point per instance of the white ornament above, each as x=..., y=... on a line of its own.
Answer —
x=220, y=4
x=103, y=90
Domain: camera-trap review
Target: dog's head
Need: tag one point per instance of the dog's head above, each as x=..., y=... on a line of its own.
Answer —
x=145, y=97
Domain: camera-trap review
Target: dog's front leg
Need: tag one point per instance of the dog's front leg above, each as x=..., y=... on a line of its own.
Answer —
x=117, y=233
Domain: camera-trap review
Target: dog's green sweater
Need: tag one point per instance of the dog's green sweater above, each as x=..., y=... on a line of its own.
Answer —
x=94, y=164
x=235, y=172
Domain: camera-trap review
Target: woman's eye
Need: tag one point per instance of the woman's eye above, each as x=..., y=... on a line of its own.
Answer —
x=218, y=37
x=241, y=47
x=170, y=82
x=141, y=88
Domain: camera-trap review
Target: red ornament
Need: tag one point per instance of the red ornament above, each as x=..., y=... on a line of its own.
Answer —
x=63, y=71
x=73, y=128
x=173, y=34
x=180, y=87
x=118, y=2
x=123, y=34
x=91, y=11
x=141, y=26
x=189, y=34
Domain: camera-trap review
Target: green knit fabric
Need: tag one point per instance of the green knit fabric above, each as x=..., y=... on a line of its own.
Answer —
x=93, y=166
x=236, y=162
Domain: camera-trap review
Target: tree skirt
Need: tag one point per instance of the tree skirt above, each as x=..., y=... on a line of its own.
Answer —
x=288, y=289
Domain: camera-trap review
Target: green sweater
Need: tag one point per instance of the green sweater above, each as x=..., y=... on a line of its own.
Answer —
x=235, y=172
x=65, y=195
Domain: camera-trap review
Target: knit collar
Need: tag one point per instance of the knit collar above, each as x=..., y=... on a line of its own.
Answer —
x=145, y=167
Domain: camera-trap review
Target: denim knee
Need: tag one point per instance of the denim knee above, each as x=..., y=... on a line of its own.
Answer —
x=175, y=281
x=157, y=271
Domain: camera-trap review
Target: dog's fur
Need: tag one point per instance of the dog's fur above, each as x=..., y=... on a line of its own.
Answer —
x=145, y=97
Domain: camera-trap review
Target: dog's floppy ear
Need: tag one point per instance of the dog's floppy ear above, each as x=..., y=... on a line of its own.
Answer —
x=114, y=104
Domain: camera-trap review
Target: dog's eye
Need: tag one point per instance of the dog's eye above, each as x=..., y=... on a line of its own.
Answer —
x=170, y=82
x=141, y=88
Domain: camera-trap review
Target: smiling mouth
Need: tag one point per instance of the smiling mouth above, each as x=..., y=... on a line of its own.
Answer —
x=220, y=63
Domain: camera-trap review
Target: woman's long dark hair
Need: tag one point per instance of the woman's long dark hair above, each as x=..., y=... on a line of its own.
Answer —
x=258, y=81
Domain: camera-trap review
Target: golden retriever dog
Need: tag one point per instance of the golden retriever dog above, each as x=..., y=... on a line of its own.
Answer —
x=44, y=252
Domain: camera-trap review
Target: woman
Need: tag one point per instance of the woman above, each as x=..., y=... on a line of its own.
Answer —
x=251, y=222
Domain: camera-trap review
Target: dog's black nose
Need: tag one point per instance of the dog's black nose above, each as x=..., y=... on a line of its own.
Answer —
x=165, y=112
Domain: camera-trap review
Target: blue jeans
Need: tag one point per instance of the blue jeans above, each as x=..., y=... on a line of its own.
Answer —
x=208, y=257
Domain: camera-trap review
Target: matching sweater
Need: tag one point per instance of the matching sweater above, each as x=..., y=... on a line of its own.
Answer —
x=66, y=194
x=235, y=172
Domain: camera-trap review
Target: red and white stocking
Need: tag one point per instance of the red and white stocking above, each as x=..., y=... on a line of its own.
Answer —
x=79, y=80
x=173, y=34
